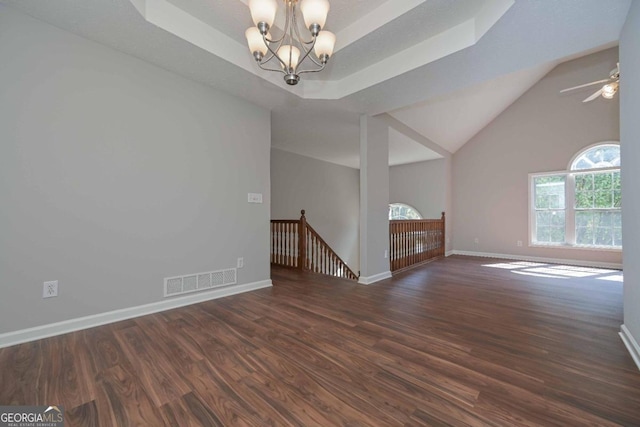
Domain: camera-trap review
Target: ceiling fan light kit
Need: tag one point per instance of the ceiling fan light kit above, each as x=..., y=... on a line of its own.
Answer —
x=290, y=50
x=608, y=90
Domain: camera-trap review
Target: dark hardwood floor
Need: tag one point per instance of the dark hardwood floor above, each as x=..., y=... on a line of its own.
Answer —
x=460, y=341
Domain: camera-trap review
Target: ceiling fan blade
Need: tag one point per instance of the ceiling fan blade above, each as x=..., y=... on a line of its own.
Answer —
x=594, y=96
x=586, y=85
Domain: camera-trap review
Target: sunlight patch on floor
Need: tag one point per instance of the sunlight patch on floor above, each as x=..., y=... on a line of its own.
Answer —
x=557, y=271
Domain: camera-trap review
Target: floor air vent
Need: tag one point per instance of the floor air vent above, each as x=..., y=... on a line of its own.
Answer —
x=199, y=282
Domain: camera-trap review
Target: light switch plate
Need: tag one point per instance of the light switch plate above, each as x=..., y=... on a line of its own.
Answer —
x=255, y=198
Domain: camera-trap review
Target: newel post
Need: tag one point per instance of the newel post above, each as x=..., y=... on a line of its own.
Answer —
x=302, y=242
x=444, y=237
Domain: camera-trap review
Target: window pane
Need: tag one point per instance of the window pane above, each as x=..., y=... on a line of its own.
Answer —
x=617, y=236
x=617, y=219
x=549, y=191
x=603, y=181
x=617, y=190
x=557, y=234
x=617, y=183
x=603, y=199
x=550, y=227
x=584, y=191
x=604, y=236
x=543, y=234
x=599, y=228
x=584, y=235
x=584, y=200
x=543, y=218
x=584, y=182
x=584, y=219
x=557, y=219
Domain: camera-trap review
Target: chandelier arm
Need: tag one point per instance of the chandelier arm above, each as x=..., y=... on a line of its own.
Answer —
x=273, y=40
x=270, y=69
x=280, y=41
x=295, y=26
x=313, y=71
x=303, y=43
x=317, y=63
x=273, y=53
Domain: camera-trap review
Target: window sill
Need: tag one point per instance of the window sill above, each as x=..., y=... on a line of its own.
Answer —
x=578, y=247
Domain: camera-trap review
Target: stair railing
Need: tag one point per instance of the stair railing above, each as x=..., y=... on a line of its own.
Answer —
x=295, y=244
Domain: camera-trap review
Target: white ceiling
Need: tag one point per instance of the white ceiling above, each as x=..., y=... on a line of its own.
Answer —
x=444, y=68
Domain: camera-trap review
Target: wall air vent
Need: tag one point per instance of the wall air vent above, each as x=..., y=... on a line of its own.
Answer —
x=199, y=282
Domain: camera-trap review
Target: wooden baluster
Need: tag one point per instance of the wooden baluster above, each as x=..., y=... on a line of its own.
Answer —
x=285, y=254
x=406, y=245
x=315, y=254
x=290, y=257
x=280, y=244
x=292, y=254
x=295, y=243
x=325, y=269
x=413, y=243
x=394, y=257
x=419, y=229
x=400, y=245
x=275, y=242
x=320, y=248
x=391, y=245
x=407, y=237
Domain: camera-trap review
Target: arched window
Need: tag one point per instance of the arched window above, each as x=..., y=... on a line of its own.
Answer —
x=598, y=156
x=582, y=206
x=402, y=211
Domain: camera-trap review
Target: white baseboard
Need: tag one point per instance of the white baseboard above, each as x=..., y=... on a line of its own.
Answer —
x=449, y=253
x=577, y=262
x=71, y=325
x=631, y=344
x=375, y=278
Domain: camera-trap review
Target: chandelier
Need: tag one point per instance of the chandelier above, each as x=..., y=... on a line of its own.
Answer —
x=286, y=49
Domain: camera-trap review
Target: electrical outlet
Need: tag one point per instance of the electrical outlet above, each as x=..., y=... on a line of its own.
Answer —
x=386, y=253
x=476, y=241
x=519, y=243
x=240, y=262
x=50, y=289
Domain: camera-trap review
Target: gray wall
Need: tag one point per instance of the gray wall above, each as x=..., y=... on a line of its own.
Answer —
x=329, y=193
x=630, y=142
x=422, y=185
x=539, y=132
x=115, y=174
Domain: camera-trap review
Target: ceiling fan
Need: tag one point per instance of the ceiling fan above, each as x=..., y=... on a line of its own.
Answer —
x=609, y=88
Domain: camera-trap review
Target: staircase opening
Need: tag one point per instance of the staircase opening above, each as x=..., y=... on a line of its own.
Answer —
x=295, y=244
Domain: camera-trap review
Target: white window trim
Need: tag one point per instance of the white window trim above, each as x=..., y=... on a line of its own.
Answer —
x=569, y=208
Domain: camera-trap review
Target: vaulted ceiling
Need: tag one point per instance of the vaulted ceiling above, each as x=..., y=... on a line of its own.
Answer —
x=445, y=68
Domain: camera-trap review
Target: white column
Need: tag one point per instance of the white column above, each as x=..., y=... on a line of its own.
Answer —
x=374, y=200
